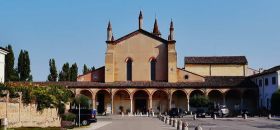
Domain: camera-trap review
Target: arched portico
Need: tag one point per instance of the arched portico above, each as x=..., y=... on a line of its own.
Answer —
x=216, y=97
x=250, y=99
x=89, y=94
x=122, y=102
x=233, y=100
x=103, y=101
x=160, y=101
x=179, y=100
x=141, y=101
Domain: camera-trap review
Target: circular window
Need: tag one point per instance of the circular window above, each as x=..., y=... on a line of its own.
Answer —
x=186, y=77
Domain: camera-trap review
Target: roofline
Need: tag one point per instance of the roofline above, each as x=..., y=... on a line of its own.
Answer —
x=191, y=72
x=137, y=32
x=90, y=71
x=5, y=50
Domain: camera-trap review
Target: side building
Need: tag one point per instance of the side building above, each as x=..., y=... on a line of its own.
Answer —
x=268, y=83
x=3, y=53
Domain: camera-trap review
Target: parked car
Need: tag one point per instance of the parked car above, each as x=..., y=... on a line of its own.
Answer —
x=200, y=113
x=176, y=112
x=87, y=116
x=219, y=110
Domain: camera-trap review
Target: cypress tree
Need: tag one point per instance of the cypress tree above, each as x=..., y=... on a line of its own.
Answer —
x=53, y=72
x=73, y=72
x=24, y=66
x=10, y=72
x=85, y=69
x=92, y=68
x=64, y=74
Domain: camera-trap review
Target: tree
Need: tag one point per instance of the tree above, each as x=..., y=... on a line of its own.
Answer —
x=199, y=101
x=86, y=69
x=73, y=72
x=24, y=66
x=53, y=72
x=64, y=74
x=275, y=106
x=10, y=72
x=92, y=68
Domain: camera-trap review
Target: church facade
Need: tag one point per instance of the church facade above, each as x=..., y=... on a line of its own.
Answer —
x=141, y=74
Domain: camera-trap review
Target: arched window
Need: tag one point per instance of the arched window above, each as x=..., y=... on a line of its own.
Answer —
x=129, y=69
x=153, y=69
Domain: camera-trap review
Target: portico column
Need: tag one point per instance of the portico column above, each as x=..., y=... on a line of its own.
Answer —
x=224, y=99
x=112, y=103
x=131, y=104
x=151, y=102
x=170, y=100
x=188, y=103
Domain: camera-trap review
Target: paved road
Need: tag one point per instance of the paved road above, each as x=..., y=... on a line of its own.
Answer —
x=131, y=123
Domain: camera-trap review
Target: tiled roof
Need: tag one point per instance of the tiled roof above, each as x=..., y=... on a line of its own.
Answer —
x=268, y=71
x=216, y=60
x=4, y=49
x=210, y=82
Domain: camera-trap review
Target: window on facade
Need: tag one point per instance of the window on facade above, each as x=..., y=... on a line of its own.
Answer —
x=153, y=69
x=266, y=81
x=273, y=80
x=129, y=70
x=260, y=83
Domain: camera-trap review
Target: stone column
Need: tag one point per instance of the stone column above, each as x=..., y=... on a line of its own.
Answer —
x=170, y=100
x=131, y=105
x=112, y=103
x=188, y=103
x=150, y=102
x=224, y=99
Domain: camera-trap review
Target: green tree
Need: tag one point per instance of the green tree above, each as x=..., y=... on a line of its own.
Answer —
x=73, y=72
x=199, y=101
x=275, y=106
x=53, y=72
x=83, y=100
x=92, y=68
x=24, y=66
x=10, y=72
x=86, y=69
x=64, y=74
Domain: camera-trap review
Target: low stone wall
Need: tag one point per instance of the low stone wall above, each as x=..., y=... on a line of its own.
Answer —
x=21, y=115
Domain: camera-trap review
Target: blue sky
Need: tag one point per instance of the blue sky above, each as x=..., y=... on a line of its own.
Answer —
x=75, y=30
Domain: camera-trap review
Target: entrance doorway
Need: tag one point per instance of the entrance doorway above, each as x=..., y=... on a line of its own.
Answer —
x=140, y=101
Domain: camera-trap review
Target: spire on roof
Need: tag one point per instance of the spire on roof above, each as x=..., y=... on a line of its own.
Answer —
x=156, y=30
x=171, y=31
x=140, y=20
x=109, y=26
x=109, y=32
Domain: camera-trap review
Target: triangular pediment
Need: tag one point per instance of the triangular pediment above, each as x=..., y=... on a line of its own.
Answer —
x=140, y=31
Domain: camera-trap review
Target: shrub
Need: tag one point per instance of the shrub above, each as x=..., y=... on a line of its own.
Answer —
x=82, y=100
x=199, y=101
x=275, y=106
x=68, y=117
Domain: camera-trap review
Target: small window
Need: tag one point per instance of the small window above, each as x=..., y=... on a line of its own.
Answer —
x=186, y=77
x=129, y=70
x=153, y=70
x=266, y=81
x=273, y=80
x=260, y=83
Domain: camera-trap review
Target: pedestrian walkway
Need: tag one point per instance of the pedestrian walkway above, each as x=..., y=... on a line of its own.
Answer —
x=134, y=123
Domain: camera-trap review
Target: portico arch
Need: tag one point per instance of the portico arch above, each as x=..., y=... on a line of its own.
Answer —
x=160, y=101
x=103, y=101
x=216, y=97
x=196, y=92
x=122, y=102
x=233, y=100
x=141, y=101
x=89, y=94
x=179, y=100
x=250, y=99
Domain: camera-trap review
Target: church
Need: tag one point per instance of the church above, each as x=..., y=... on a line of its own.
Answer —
x=141, y=74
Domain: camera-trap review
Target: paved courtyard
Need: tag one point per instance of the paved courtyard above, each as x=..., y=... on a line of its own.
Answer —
x=234, y=123
x=149, y=123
